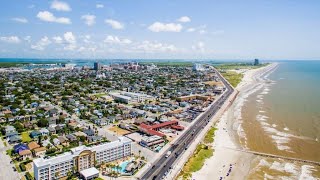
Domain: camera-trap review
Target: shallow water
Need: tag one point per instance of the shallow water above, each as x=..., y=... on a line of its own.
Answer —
x=282, y=116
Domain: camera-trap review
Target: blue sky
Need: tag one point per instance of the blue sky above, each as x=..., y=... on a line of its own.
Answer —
x=192, y=29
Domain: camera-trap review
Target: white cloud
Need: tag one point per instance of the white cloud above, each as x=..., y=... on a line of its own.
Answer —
x=99, y=6
x=202, y=31
x=57, y=39
x=184, y=19
x=153, y=47
x=114, y=24
x=71, y=41
x=41, y=44
x=10, y=39
x=86, y=39
x=20, y=19
x=60, y=6
x=49, y=17
x=191, y=30
x=199, y=47
x=116, y=40
x=162, y=27
x=89, y=19
x=27, y=38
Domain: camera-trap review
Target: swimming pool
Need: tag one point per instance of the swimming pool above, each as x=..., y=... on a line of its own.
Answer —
x=122, y=168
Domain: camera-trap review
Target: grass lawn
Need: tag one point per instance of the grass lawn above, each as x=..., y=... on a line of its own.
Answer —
x=196, y=162
x=210, y=136
x=25, y=137
x=232, y=77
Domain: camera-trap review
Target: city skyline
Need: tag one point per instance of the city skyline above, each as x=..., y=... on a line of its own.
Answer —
x=170, y=29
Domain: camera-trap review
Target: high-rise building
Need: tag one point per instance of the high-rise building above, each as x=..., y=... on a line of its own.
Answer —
x=97, y=66
x=198, y=67
x=80, y=159
x=256, y=62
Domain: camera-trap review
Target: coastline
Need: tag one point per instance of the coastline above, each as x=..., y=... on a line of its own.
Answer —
x=227, y=160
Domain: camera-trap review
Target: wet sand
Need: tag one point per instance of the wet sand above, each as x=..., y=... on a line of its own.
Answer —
x=227, y=162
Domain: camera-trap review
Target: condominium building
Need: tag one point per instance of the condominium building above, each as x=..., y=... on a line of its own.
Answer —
x=129, y=97
x=80, y=159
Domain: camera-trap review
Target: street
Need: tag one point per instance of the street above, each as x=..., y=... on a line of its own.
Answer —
x=164, y=164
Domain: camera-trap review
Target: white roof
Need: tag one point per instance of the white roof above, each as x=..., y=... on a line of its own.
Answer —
x=89, y=172
x=77, y=150
x=54, y=160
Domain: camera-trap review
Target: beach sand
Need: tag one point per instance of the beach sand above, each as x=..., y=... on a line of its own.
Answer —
x=228, y=161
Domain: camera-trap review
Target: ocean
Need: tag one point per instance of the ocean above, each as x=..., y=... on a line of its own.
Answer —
x=281, y=116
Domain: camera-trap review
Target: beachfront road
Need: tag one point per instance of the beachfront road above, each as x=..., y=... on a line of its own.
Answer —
x=163, y=164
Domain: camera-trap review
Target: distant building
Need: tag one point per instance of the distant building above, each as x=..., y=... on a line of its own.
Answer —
x=198, y=67
x=256, y=62
x=97, y=66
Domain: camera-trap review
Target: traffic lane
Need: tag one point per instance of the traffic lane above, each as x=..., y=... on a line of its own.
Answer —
x=181, y=148
x=202, y=119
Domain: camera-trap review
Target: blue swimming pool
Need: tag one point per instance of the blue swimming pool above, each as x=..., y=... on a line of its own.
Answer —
x=122, y=168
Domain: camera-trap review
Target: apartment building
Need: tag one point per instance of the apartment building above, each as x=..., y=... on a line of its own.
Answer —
x=80, y=159
x=130, y=97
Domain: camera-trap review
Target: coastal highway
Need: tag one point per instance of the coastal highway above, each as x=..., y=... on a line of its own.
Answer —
x=163, y=165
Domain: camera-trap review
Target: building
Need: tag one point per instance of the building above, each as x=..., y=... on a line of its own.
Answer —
x=25, y=154
x=256, y=62
x=154, y=129
x=40, y=152
x=130, y=97
x=152, y=142
x=121, y=98
x=80, y=159
x=198, y=67
x=97, y=66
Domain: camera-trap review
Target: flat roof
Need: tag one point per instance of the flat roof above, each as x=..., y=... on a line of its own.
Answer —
x=89, y=172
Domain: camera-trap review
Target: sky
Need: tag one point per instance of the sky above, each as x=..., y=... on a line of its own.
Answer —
x=163, y=29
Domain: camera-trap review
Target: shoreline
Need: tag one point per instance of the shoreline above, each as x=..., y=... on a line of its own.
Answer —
x=227, y=161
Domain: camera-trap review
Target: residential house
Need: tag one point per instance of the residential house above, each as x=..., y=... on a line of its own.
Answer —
x=56, y=141
x=52, y=130
x=9, y=129
x=19, y=147
x=44, y=132
x=14, y=139
x=71, y=137
x=89, y=132
x=35, y=134
x=11, y=134
x=40, y=152
x=94, y=138
x=33, y=145
x=63, y=140
x=101, y=122
x=25, y=154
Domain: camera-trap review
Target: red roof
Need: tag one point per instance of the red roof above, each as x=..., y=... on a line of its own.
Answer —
x=150, y=129
x=168, y=123
x=177, y=127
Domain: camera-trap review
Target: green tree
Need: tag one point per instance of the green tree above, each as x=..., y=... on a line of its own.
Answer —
x=43, y=123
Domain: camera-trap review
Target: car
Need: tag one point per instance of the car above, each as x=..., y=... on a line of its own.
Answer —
x=153, y=166
x=154, y=177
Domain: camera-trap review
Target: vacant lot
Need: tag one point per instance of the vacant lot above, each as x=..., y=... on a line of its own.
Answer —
x=25, y=137
x=118, y=130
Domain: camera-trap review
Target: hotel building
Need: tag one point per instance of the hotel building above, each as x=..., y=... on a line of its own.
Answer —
x=80, y=159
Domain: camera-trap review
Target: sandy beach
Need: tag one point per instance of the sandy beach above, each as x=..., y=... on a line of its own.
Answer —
x=228, y=161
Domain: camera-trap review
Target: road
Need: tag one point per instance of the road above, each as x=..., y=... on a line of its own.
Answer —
x=6, y=169
x=163, y=164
